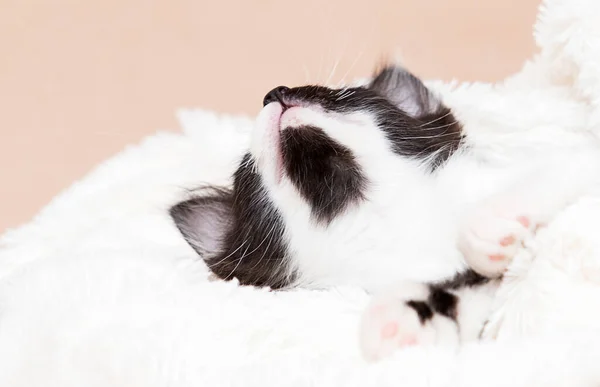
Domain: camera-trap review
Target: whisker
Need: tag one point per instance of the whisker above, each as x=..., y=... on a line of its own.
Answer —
x=429, y=137
x=238, y=264
x=441, y=126
x=272, y=234
x=341, y=91
x=229, y=255
x=360, y=54
x=245, y=254
x=348, y=94
x=337, y=62
x=434, y=120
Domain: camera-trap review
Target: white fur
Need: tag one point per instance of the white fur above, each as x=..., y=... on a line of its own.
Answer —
x=389, y=323
x=564, y=255
x=417, y=226
x=401, y=204
x=100, y=289
x=409, y=212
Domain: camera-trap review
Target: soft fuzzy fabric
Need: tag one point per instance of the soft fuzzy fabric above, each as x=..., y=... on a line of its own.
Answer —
x=100, y=289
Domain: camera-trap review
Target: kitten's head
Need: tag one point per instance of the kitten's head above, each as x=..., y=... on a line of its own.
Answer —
x=317, y=154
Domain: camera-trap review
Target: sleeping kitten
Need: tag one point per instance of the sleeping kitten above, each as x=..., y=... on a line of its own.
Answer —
x=378, y=186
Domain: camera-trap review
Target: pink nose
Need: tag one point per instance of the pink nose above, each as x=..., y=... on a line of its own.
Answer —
x=275, y=95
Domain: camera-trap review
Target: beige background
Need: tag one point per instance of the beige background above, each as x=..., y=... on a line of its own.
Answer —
x=79, y=79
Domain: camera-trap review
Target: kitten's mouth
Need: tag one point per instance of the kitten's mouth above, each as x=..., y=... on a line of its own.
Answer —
x=266, y=140
x=277, y=115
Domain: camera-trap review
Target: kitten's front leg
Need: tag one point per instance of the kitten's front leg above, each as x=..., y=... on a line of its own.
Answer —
x=403, y=317
x=493, y=232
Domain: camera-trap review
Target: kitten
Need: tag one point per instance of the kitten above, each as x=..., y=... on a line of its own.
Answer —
x=379, y=186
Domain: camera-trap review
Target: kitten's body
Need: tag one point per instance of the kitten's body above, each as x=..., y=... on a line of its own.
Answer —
x=396, y=237
x=379, y=187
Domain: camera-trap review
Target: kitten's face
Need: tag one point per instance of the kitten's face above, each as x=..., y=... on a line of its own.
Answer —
x=318, y=158
x=307, y=143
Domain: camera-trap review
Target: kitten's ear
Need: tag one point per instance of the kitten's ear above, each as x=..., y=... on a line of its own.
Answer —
x=405, y=91
x=205, y=220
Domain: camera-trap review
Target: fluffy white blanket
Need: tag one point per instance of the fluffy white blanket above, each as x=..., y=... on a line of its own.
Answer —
x=101, y=290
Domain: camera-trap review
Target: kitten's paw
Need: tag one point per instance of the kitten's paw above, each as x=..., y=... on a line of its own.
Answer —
x=489, y=240
x=389, y=324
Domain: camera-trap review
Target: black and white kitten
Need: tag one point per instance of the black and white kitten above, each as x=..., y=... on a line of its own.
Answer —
x=379, y=186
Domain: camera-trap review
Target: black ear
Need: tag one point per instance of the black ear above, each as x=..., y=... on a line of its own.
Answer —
x=205, y=220
x=405, y=91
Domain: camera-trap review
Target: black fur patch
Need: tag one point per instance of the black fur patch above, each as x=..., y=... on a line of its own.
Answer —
x=420, y=126
x=443, y=302
x=430, y=133
x=423, y=310
x=324, y=171
x=252, y=246
x=250, y=243
x=467, y=278
x=434, y=136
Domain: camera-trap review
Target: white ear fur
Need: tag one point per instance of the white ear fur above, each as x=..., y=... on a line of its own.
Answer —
x=406, y=91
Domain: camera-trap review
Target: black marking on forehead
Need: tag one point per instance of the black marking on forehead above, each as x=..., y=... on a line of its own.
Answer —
x=415, y=122
x=336, y=100
x=433, y=137
x=250, y=243
x=324, y=172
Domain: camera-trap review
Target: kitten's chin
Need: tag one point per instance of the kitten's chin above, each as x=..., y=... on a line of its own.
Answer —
x=266, y=144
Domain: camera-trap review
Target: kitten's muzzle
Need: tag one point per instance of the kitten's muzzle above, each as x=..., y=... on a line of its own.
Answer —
x=276, y=95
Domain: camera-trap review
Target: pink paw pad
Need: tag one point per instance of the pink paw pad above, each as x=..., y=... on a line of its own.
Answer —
x=524, y=221
x=497, y=257
x=507, y=241
x=408, y=341
x=389, y=330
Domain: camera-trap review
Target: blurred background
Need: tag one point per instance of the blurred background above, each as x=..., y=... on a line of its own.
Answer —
x=81, y=79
